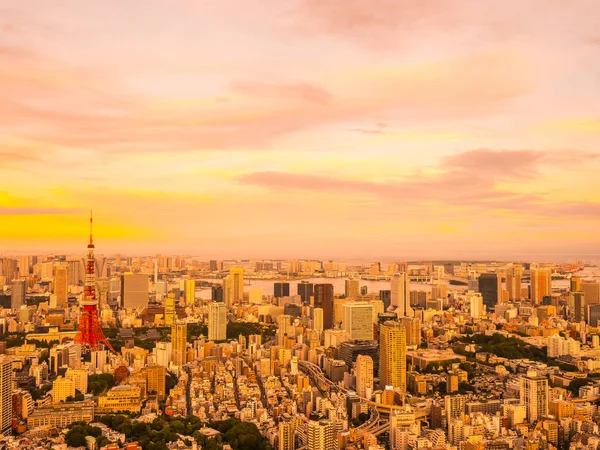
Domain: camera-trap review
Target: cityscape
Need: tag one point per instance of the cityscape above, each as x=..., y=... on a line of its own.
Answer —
x=299, y=225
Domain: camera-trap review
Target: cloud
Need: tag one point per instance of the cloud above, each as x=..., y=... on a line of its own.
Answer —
x=465, y=180
x=299, y=91
x=13, y=211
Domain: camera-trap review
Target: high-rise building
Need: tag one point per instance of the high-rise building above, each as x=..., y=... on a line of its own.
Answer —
x=358, y=320
x=305, y=290
x=591, y=290
x=281, y=289
x=513, y=282
x=476, y=304
x=323, y=298
x=179, y=343
x=286, y=436
x=321, y=435
x=392, y=355
x=190, y=292
x=62, y=388
x=19, y=290
x=156, y=379
x=134, y=290
x=6, y=383
x=24, y=266
x=579, y=306
x=364, y=376
x=489, y=287
x=386, y=297
x=412, y=325
x=10, y=268
x=541, y=284
x=216, y=293
x=170, y=310
x=400, y=295
x=352, y=288
x=217, y=321
x=575, y=283
x=79, y=378
x=236, y=280
x=593, y=314
x=455, y=406
x=534, y=395
x=348, y=351
x=61, y=285
x=318, y=319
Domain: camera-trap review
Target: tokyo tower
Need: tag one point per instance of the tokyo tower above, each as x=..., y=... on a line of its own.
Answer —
x=90, y=333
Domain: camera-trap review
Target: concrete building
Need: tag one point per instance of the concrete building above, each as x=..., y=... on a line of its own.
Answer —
x=392, y=355
x=534, y=395
x=134, y=290
x=179, y=344
x=400, y=295
x=217, y=321
x=364, y=376
x=358, y=320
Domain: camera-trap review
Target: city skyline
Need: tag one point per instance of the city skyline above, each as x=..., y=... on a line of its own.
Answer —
x=302, y=129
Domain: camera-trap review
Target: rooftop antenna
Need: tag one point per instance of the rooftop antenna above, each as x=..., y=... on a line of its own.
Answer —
x=91, y=223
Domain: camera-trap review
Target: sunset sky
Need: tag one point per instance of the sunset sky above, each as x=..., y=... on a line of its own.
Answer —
x=302, y=128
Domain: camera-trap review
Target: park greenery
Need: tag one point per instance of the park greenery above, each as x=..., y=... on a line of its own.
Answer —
x=506, y=347
x=78, y=431
x=100, y=383
x=164, y=429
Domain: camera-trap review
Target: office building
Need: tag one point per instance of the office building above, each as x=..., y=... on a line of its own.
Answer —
x=61, y=415
x=318, y=319
x=156, y=380
x=62, y=388
x=216, y=293
x=349, y=351
x=575, y=284
x=412, y=325
x=352, y=288
x=591, y=291
x=17, y=296
x=593, y=314
x=476, y=305
x=217, y=321
x=488, y=286
x=513, y=282
x=392, y=355
x=60, y=285
x=321, y=435
x=579, y=306
x=534, y=395
x=179, y=344
x=358, y=320
x=120, y=398
x=541, y=284
x=190, y=292
x=170, y=309
x=79, y=377
x=323, y=298
x=386, y=297
x=400, y=295
x=281, y=289
x=305, y=290
x=233, y=287
x=134, y=290
x=6, y=384
x=363, y=370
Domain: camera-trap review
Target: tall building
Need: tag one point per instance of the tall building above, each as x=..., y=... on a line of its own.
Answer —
x=534, y=395
x=216, y=294
x=579, y=306
x=179, y=344
x=392, y=355
x=364, y=376
x=24, y=266
x=489, y=287
x=305, y=290
x=593, y=314
x=386, y=297
x=513, y=282
x=10, y=268
x=6, y=383
x=541, y=284
x=412, y=325
x=286, y=435
x=235, y=292
x=156, y=379
x=575, y=283
x=400, y=295
x=358, y=320
x=455, y=406
x=321, y=435
x=19, y=290
x=352, y=288
x=476, y=304
x=134, y=290
x=62, y=388
x=190, y=292
x=281, y=289
x=323, y=298
x=170, y=310
x=217, y=321
x=591, y=290
x=61, y=285
x=348, y=351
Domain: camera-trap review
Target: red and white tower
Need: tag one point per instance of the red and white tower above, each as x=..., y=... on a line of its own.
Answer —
x=90, y=332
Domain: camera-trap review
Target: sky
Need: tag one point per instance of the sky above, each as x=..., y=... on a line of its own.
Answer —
x=302, y=128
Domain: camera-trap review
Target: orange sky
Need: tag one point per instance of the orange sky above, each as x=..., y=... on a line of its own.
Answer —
x=302, y=128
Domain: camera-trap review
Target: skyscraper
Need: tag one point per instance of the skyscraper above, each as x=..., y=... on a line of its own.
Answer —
x=217, y=321
x=6, y=383
x=476, y=304
x=489, y=287
x=170, y=311
x=134, y=290
x=386, y=297
x=318, y=319
x=323, y=298
x=412, y=325
x=513, y=282
x=281, y=289
x=216, y=293
x=364, y=376
x=190, y=292
x=286, y=436
x=321, y=435
x=179, y=343
x=358, y=320
x=400, y=296
x=352, y=288
x=579, y=306
x=61, y=285
x=575, y=284
x=19, y=290
x=591, y=290
x=541, y=284
x=233, y=287
x=305, y=290
x=392, y=355
x=534, y=395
